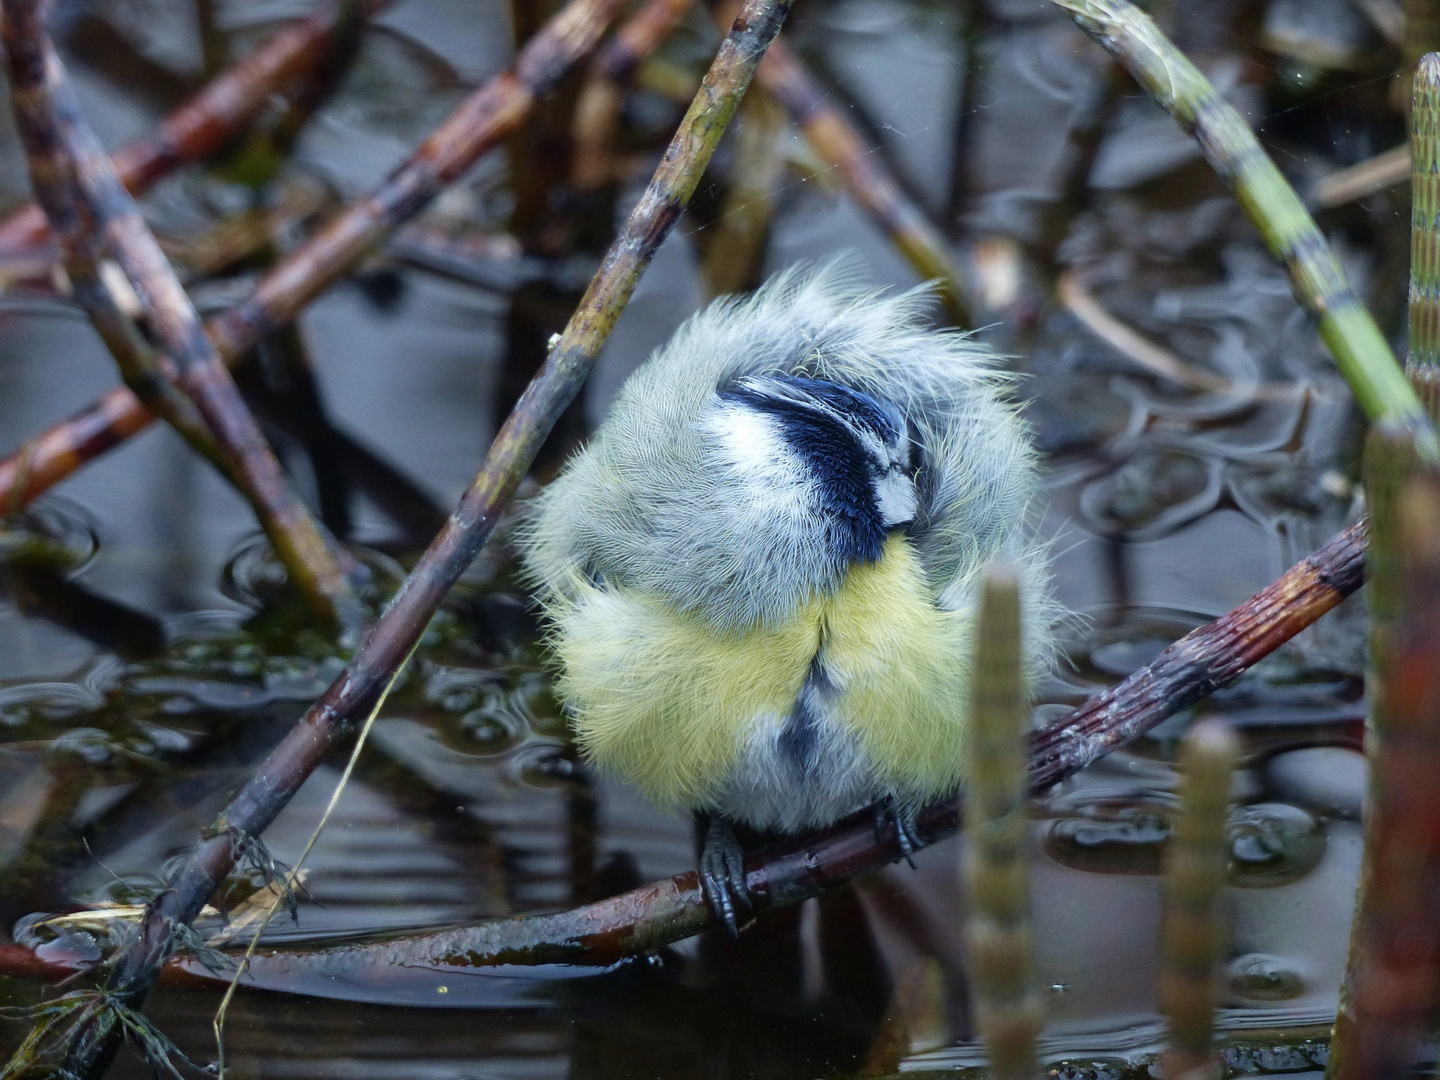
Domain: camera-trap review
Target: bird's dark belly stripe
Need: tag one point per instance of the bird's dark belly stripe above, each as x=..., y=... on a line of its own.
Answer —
x=799, y=739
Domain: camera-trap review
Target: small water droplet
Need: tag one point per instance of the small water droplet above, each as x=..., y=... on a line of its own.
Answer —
x=1261, y=977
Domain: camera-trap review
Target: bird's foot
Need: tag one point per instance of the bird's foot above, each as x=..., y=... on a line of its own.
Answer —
x=722, y=872
x=892, y=816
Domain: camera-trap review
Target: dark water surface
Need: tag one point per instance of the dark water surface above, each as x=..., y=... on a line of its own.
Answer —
x=147, y=664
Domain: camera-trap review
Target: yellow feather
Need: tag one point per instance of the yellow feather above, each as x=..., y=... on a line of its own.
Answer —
x=902, y=666
x=667, y=703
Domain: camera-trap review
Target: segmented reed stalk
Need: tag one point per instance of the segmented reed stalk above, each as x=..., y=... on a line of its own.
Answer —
x=1390, y=463
x=1192, y=935
x=997, y=868
x=1422, y=363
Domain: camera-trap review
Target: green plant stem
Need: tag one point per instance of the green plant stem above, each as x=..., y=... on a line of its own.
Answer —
x=1422, y=363
x=1390, y=463
x=1391, y=987
x=1192, y=936
x=999, y=942
x=1360, y=350
x=355, y=691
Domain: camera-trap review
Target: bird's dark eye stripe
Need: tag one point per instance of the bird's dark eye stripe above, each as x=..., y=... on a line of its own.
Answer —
x=820, y=423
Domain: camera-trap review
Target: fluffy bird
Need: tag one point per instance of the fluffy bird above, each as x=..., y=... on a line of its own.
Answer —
x=760, y=574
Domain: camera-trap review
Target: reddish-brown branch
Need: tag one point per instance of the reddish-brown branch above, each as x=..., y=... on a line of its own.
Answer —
x=478, y=125
x=675, y=908
x=207, y=122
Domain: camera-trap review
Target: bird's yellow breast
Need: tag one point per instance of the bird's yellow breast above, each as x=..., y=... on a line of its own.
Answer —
x=668, y=704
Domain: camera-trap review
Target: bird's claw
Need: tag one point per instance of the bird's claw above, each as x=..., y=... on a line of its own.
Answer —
x=722, y=872
x=892, y=816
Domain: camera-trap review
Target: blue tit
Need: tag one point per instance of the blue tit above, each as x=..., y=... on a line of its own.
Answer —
x=760, y=574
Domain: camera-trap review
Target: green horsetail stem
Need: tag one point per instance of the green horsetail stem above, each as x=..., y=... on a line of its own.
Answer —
x=1390, y=463
x=1192, y=934
x=1421, y=34
x=1360, y=350
x=1422, y=363
x=997, y=866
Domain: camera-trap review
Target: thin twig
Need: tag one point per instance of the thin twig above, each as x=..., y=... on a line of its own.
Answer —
x=1360, y=350
x=666, y=911
x=1364, y=178
x=867, y=180
x=479, y=124
x=208, y=121
x=597, y=111
x=735, y=250
x=294, y=874
x=54, y=130
x=1154, y=358
x=394, y=636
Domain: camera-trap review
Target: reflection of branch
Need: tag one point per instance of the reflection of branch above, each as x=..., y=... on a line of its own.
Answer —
x=205, y=123
x=389, y=645
x=476, y=126
x=1124, y=340
x=77, y=186
x=666, y=911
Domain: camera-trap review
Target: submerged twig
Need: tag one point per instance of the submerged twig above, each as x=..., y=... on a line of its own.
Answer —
x=57, y=136
x=395, y=635
x=476, y=126
x=842, y=147
x=998, y=938
x=675, y=908
x=208, y=121
x=1192, y=933
x=1365, y=178
x=1154, y=358
x=1319, y=284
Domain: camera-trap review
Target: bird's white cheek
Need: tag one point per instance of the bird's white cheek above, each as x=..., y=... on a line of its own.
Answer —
x=895, y=498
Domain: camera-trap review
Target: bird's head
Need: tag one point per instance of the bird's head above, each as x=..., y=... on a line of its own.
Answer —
x=818, y=454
